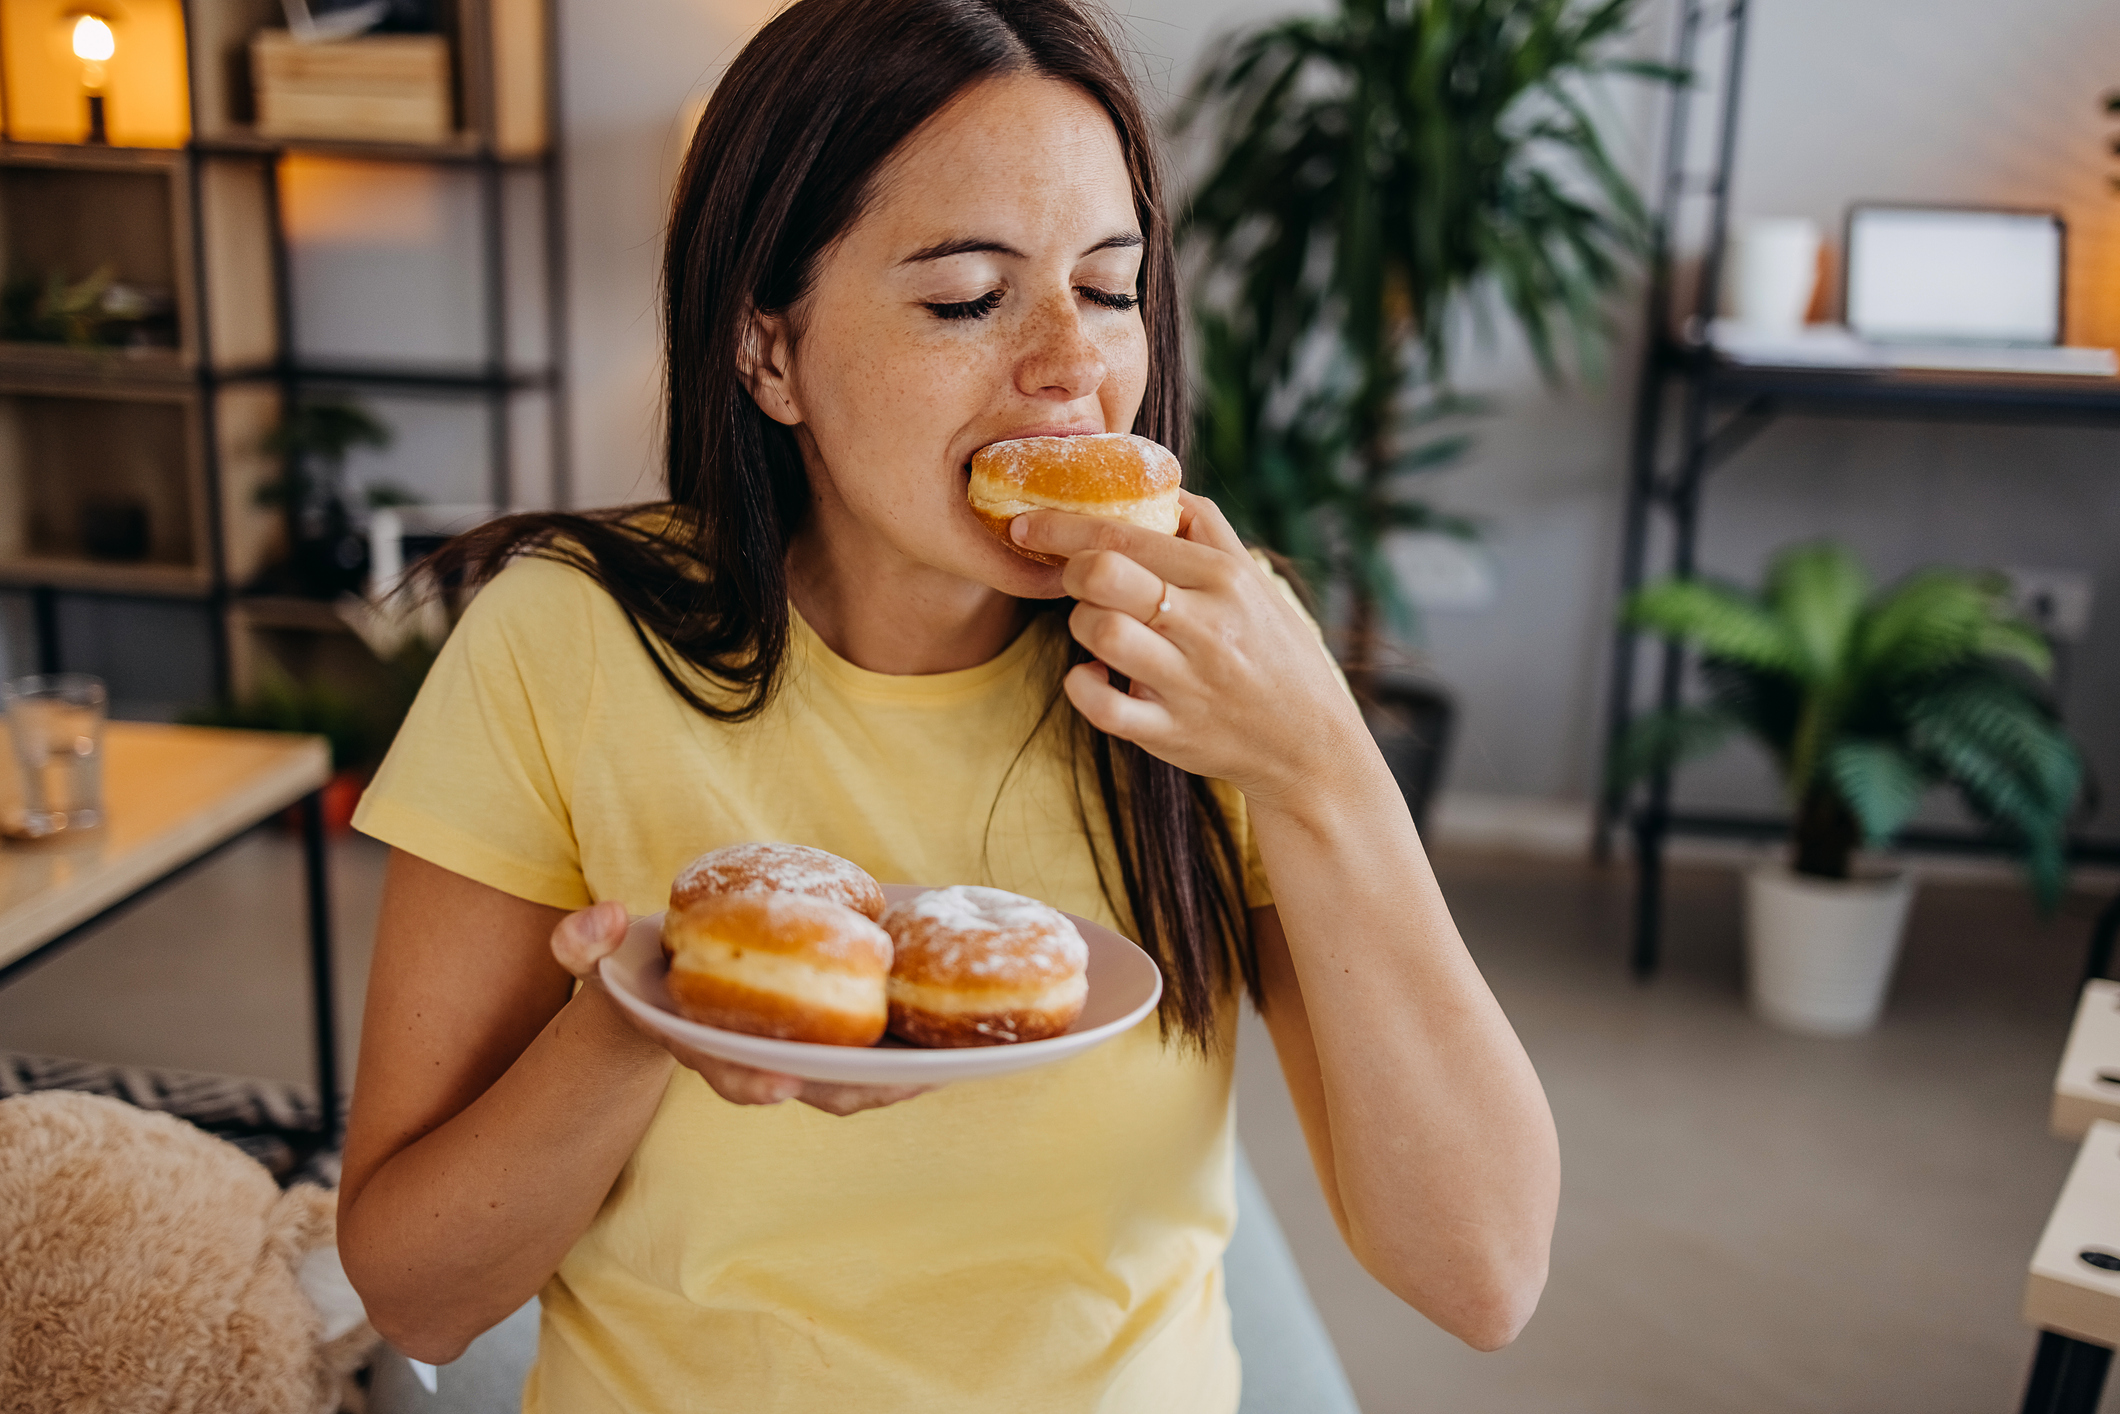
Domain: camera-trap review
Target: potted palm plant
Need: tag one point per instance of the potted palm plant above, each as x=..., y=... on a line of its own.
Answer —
x=1375, y=172
x=1866, y=701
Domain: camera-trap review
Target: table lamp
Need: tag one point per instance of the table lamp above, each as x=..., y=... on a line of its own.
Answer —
x=93, y=46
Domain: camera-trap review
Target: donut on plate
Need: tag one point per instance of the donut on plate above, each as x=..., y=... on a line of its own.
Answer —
x=975, y=966
x=1112, y=474
x=790, y=966
x=777, y=868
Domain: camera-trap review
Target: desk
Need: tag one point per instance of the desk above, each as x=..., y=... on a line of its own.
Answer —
x=175, y=797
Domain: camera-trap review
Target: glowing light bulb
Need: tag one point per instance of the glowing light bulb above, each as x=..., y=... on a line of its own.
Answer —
x=93, y=40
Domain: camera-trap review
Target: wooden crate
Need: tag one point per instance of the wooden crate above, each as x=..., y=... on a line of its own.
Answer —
x=376, y=88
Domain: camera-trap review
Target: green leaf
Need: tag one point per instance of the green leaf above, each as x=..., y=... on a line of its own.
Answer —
x=1881, y=784
x=1932, y=621
x=2016, y=641
x=1816, y=593
x=1716, y=619
x=2008, y=730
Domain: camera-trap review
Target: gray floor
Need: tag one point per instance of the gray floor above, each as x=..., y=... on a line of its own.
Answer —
x=1751, y=1221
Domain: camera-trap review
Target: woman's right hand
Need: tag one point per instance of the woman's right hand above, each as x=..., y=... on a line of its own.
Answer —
x=584, y=939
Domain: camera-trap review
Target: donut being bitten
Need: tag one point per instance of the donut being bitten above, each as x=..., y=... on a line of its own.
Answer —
x=777, y=868
x=975, y=966
x=789, y=966
x=1115, y=475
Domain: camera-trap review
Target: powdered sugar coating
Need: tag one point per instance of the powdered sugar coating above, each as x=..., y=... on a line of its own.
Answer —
x=981, y=937
x=772, y=867
x=1092, y=468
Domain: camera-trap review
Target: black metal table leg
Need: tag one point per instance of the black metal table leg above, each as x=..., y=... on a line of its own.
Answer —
x=2067, y=1376
x=1648, y=894
x=2104, y=933
x=323, y=1020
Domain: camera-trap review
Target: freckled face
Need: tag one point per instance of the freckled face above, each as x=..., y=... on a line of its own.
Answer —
x=987, y=293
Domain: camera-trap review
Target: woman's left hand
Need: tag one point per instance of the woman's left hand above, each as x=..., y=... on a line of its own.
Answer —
x=1228, y=681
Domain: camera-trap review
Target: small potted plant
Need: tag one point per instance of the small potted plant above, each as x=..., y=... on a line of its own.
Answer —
x=328, y=554
x=1865, y=701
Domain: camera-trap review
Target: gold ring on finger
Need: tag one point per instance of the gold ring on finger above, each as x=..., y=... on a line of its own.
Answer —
x=1162, y=604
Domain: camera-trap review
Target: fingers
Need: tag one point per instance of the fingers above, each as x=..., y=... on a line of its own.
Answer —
x=1135, y=719
x=739, y=1084
x=586, y=938
x=846, y=1100
x=1202, y=521
x=1110, y=579
x=1126, y=644
x=1190, y=564
x=748, y=1085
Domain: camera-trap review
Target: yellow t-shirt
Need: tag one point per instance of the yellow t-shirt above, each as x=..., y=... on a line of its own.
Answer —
x=1044, y=1241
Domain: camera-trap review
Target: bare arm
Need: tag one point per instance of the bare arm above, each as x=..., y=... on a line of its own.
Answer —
x=494, y=1112
x=1426, y=1123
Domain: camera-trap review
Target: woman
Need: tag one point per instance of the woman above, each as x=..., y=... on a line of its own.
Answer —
x=906, y=229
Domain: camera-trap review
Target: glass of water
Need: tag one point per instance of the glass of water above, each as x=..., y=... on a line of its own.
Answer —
x=56, y=725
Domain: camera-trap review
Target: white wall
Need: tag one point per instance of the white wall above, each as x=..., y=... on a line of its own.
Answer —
x=1961, y=100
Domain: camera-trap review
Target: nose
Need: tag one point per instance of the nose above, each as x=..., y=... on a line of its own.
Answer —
x=1059, y=361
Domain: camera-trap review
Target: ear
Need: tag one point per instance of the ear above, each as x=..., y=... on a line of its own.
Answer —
x=765, y=361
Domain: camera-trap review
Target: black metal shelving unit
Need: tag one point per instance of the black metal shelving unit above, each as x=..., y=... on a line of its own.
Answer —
x=493, y=377
x=1695, y=411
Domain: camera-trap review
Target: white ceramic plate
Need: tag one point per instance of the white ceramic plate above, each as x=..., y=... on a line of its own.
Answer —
x=1124, y=985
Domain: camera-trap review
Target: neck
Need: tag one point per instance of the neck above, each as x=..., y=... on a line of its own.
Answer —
x=887, y=614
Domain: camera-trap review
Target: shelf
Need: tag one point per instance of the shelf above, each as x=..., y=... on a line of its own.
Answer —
x=1907, y=393
x=90, y=157
x=146, y=580
x=1706, y=825
x=38, y=367
x=412, y=377
x=287, y=611
x=465, y=150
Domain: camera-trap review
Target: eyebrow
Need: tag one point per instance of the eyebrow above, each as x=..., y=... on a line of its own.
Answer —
x=972, y=245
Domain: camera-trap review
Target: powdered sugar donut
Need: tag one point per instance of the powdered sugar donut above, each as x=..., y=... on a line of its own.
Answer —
x=771, y=867
x=791, y=966
x=1112, y=474
x=975, y=966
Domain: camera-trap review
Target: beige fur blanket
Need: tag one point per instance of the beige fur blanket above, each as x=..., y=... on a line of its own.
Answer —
x=146, y=1265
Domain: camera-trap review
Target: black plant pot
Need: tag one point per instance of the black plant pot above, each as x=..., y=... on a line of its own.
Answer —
x=329, y=566
x=1411, y=718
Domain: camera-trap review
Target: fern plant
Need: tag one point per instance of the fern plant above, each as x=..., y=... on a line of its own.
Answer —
x=1372, y=169
x=1868, y=700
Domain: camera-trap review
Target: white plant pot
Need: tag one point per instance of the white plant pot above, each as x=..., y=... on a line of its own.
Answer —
x=1819, y=952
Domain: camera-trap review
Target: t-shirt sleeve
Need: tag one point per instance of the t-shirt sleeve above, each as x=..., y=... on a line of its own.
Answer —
x=480, y=776
x=1258, y=891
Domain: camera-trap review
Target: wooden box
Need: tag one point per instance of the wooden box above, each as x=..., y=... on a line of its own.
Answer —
x=372, y=88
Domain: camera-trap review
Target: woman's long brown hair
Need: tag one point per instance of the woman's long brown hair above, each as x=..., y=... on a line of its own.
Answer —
x=780, y=166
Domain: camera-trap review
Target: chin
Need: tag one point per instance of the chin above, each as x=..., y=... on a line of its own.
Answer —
x=1024, y=578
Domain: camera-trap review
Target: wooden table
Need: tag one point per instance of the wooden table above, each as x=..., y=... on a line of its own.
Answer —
x=174, y=797
x=2072, y=1292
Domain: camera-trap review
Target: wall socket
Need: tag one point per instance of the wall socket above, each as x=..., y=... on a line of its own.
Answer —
x=2056, y=602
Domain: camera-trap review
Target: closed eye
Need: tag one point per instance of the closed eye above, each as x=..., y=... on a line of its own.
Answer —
x=968, y=309
x=1106, y=299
